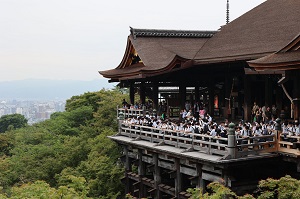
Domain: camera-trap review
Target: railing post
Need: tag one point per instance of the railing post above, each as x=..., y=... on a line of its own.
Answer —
x=120, y=120
x=151, y=135
x=209, y=145
x=277, y=133
x=232, y=141
x=192, y=140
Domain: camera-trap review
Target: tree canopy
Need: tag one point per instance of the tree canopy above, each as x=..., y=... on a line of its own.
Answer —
x=13, y=121
x=68, y=155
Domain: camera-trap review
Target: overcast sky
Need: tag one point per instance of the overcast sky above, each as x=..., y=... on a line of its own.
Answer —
x=74, y=39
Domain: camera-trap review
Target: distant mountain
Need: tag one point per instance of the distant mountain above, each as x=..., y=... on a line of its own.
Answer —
x=42, y=89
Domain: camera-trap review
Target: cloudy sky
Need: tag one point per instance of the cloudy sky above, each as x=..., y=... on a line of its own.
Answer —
x=74, y=39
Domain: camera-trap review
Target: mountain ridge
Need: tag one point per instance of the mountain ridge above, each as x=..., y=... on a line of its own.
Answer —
x=46, y=89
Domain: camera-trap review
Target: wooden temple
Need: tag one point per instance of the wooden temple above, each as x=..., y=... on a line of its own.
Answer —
x=255, y=58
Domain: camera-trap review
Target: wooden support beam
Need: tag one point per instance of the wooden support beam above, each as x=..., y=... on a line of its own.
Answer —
x=142, y=173
x=211, y=93
x=131, y=93
x=127, y=169
x=178, y=181
x=247, y=98
x=296, y=94
x=182, y=95
x=268, y=91
x=157, y=176
x=155, y=96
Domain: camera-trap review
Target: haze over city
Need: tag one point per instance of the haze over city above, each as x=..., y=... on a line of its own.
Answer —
x=74, y=39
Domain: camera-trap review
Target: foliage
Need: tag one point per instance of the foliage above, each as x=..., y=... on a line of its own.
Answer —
x=215, y=191
x=285, y=187
x=68, y=155
x=13, y=121
x=41, y=189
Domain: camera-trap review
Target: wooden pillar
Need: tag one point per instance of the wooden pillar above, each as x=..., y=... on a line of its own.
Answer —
x=228, y=85
x=268, y=91
x=155, y=96
x=182, y=95
x=127, y=169
x=178, y=185
x=131, y=93
x=247, y=98
x=142, y=93
x=197, y=95
x=296, y=94
x=157, y=177
x=211, y=97
x=298, y=165
x=279, y=97
x=225, y=177
x=142, y=173
x=200, y=183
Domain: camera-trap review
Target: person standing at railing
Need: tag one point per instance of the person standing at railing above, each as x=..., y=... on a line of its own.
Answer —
x=297, y=128
x=213, y=132
x=197, y=128
x=124, y=103
x=246, y=133
x=285, y=131
x=188, y=130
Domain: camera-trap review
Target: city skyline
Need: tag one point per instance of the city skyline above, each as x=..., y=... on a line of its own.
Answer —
x=76, y=39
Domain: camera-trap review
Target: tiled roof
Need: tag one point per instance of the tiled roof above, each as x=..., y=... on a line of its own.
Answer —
x=264, y=29
x=157, y=54
x=170, y=33
x=287, y=58
x=260, y=32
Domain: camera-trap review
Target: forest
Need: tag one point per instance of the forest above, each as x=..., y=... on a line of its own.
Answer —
x=69, y=156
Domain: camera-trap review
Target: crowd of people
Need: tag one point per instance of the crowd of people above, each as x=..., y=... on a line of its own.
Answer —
x=197, y=120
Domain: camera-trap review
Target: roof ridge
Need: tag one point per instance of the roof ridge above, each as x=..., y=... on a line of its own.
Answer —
x=171, y=33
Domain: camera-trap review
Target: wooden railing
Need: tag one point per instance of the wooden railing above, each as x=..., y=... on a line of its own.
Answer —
x=212, y=145
x=256, y=145
x=289, y=144
x=130, y=112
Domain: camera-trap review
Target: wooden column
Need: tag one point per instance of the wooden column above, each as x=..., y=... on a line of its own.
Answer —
x=200, y=183
x=228, y=85
x=142, y=93
x=178, y=185
x=211, y=93
x=247, y=98
x=182, y=95
x=155, y=96
x=127, y=169
x=225, y=177
x=279, y=97
x=197, y=95
x=157, y=177
x=268, y=91
x=131, y=93
x=142, y=173
x=296, y=95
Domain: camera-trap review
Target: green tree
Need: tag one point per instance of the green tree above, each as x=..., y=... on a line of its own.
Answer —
x=42, y=190
x=285, y=187
x=13, y=121
x=69, y=148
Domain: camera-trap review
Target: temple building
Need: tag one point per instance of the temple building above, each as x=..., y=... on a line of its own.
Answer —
x=253, y=59
x=217, y=63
